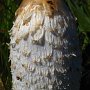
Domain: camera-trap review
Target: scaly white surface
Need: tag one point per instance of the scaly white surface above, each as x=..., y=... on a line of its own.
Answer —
x=44, y=52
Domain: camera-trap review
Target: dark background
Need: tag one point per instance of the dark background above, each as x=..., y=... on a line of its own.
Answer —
x=79, y=8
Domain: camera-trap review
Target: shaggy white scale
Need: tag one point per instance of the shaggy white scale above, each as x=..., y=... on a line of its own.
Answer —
x=44, y=49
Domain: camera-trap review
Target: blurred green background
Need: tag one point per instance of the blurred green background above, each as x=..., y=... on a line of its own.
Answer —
x=79, y=8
